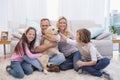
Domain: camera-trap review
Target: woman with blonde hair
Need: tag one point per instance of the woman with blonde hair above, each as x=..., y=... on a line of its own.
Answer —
x=68, y=50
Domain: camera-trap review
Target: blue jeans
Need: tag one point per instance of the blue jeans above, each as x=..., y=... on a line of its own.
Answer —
x=19, y=69
x=94, y=70
x=34, y=62
x=70, y=61
x=56, y=60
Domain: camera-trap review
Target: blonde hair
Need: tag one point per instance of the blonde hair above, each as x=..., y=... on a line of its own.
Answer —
x=84, y=35
x=67, y=30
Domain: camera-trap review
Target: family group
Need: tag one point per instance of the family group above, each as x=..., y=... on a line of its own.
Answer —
x=78, y=52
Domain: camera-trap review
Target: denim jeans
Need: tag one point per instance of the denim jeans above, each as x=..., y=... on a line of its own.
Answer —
x=77, y=56
x=34, y=62
x=20, y=68
x=70, y=61
x=94, y=70
x=56, y=60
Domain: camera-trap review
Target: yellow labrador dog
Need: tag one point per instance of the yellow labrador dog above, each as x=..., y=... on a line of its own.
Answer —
x=51, y=30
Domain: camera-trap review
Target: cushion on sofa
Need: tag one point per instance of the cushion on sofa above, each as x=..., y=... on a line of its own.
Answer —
x=104, y=47
x=103, y=35
x=95, y=31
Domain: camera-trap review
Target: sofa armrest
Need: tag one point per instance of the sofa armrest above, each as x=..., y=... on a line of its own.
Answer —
x=105, y=47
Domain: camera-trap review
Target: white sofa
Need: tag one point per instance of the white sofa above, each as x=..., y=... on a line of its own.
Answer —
x=102, y=40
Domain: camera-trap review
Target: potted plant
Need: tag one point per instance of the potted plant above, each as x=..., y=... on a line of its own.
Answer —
x=113, y=29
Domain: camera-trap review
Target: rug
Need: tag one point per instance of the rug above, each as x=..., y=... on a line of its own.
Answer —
x=113, y=69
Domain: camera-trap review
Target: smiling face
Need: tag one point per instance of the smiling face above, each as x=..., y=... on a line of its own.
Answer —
x=44, y=25
x=62, y=24
x=30, y=35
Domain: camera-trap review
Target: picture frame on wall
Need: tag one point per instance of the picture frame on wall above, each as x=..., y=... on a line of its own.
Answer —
x=4, y=35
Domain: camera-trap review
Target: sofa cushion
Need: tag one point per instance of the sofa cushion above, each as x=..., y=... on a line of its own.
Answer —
x=95, y=31
x=103, y=35
x=105, y=47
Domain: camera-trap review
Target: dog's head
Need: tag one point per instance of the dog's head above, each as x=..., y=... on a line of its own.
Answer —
x=51, y=30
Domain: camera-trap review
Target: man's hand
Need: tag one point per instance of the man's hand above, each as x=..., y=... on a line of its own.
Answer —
x=44, y=47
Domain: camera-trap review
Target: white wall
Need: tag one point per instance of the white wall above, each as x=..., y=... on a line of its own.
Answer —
x=3, y=13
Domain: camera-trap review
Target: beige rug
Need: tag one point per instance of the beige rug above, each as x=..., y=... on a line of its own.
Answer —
x=113, y=69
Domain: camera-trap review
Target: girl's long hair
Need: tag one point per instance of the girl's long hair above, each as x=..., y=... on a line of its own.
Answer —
x=24, y=40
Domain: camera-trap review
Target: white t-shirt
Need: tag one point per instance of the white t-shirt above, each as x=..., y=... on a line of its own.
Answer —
x=39, y=41
x=38, y=38
x=89, y=52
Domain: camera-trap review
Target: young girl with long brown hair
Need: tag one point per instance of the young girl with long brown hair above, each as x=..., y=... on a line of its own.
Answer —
x=19, y=66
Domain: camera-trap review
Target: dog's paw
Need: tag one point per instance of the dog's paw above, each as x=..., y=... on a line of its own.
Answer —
x=45, y=72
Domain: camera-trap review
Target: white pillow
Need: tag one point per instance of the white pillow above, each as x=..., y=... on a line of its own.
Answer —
x=95, y=31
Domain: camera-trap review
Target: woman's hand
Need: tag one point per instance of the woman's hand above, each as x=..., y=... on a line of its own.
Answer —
x=63, y=36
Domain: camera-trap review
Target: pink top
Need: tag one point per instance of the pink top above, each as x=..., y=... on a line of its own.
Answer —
x=18, y=57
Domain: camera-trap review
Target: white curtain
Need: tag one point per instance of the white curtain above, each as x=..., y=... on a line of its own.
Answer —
x=83, y=10
x=18, y=11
